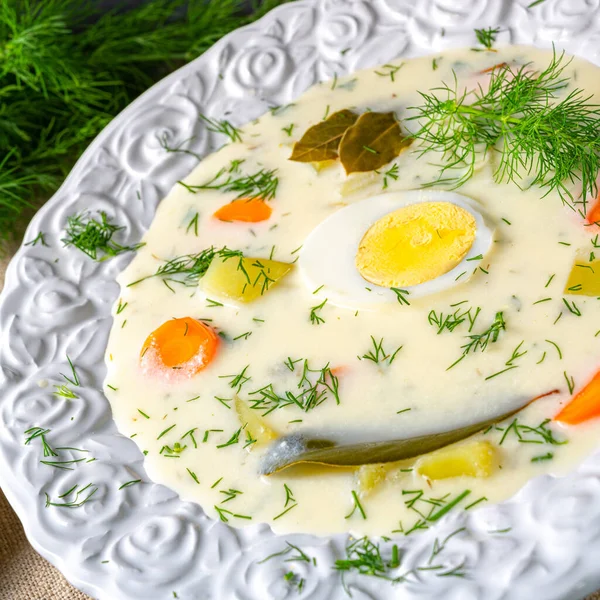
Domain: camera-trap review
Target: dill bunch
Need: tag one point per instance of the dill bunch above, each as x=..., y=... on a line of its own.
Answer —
x=95, y=237
x=66, y=70
x=540, y=139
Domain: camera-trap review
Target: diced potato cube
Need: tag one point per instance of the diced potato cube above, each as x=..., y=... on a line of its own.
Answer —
x=584, y=279
x=242, y=279
x=255, y=424
x=321, y=165
x=355, y=182
x=472, y=459
x=369, y=477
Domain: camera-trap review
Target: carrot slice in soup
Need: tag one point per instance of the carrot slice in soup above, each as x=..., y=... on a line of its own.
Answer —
x=248, y=211
x=186, y=345
x=593, y=215
x=585, y=404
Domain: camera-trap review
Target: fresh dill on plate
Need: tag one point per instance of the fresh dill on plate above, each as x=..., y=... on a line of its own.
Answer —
x=260, y=184
x=94, y=236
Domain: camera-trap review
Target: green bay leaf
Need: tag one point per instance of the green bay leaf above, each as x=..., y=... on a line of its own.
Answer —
x=372, y=142
x=297, y=449
x=321, y=141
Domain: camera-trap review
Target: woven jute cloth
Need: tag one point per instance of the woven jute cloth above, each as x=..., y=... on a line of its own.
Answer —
x=24, y=574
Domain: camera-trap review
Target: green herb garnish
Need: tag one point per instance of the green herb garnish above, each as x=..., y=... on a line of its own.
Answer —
x=487, y=37
x=316, y=319
x=378, y=353
x=164, y=143
x=76, y=501
x=222, y=127
x=389, y=70
x=549, y=142
x=190, y=268
x=261, y=184
x=94, y=237
x=480, y=341
x=314, y=387
x=357, y=507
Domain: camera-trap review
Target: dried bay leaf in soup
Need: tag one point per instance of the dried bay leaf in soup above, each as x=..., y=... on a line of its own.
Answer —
x=372, y=142
x=321, y=141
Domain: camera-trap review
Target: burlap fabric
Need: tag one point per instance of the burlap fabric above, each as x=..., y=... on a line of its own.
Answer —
x=24, y=574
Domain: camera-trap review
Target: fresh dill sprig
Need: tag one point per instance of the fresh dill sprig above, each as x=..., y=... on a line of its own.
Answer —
x=378, y=353
x=401, y=295
x=572, y=307
x=487, y=37
x=526, y=434
x=223, y=514
x=390, y=173
x=510, y=363
x=234, y=439
x=129, y=483
x=261, y=184
x=540, y=139
x=40, y=237
x=163, y=140
x=451, y=321
x=428, y=510
x=299, y=556
x=238, y=380
x=288, y=129
x=39, y=432
x=371, y=559
x=290, y=502
x=316, y=319
x=314, y=387
x=79, y=499
x=230, y=494
x=364, y=557
x=480, y=341
x=222, y=127
x=193, y=224
x=95, y=237
x=389, y=70
x=188, y=269
x=63, y=391
x=356, y=507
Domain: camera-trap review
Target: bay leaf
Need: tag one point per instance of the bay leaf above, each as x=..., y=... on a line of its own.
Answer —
x=321, y=141
x=372, y=142
x=297, y=449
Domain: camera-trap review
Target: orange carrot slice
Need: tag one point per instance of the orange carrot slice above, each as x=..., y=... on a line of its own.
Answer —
x=584, y=405
x=247, y=211
x=593, y=215
x=185, y=344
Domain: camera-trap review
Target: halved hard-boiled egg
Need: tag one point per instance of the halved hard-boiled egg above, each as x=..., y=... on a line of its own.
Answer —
x=422, y=241
x=179, y=348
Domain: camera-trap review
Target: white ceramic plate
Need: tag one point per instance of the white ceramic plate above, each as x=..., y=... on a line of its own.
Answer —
x=142, y=542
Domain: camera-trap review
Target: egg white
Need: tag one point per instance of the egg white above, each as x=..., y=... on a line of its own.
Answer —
x=328, y=254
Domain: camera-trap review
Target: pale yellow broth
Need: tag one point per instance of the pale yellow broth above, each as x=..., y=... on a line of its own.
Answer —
x=524, y=254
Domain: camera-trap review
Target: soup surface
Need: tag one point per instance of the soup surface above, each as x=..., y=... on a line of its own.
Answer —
x=399, y=310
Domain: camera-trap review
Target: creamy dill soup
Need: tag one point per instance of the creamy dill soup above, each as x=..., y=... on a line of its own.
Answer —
x=313, y=281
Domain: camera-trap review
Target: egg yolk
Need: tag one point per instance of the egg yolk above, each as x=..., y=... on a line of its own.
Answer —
x=415, y=244
x=179, y=347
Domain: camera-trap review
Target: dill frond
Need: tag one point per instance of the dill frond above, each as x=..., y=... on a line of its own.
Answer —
x=67, y=69
x=94, y=237
x=540, y=139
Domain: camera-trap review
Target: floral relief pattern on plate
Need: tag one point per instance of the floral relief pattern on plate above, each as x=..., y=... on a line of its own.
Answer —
x=137, y=539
